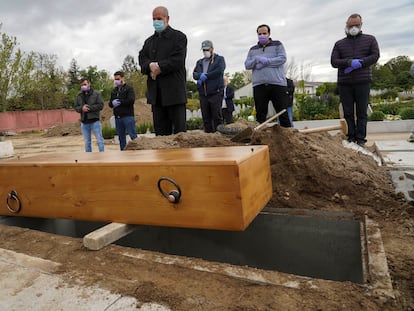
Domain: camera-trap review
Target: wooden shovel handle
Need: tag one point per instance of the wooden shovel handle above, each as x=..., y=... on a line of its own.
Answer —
x=270, y=119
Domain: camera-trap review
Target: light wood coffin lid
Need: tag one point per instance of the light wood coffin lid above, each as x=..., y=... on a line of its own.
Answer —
x=222, y=187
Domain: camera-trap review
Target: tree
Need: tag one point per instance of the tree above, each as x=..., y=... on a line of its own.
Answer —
x=297, y=72
x=10, y=60
x=134, y=77
x=240, y=79
x=129, y=64
x=393, y=75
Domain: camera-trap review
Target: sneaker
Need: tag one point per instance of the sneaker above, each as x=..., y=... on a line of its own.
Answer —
x=411, y=138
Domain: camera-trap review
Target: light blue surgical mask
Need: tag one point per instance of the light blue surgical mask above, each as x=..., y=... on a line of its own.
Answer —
x=158, y=25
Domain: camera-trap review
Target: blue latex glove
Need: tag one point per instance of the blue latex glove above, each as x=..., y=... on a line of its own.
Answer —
x=348, y=70
x=356, y=63
x=116, y=103
x=203, y=77
x=264, y=60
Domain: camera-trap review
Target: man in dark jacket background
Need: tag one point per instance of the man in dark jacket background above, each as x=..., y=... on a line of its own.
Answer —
x=162, y=59
x=209, y=72
x=227, y=106
x=353, y=56
x=122, y=101
x=89, y=103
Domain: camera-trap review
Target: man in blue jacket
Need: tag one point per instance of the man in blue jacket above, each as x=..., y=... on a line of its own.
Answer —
x=353, y=56
x=209, y=72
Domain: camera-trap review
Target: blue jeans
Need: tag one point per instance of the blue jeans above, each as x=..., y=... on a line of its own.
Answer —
x=290, y=113
x=96, y=128
x=124, y=125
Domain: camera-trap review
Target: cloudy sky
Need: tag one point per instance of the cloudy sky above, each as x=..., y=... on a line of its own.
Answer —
x=101, y=33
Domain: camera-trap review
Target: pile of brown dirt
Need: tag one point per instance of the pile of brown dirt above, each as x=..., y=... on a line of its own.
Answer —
x=141, y=109
x=308, y=171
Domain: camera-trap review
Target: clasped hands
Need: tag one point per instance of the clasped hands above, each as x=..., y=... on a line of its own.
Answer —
x=202, y=79
x=155, y=70
x=355, y=64
x=85, y=108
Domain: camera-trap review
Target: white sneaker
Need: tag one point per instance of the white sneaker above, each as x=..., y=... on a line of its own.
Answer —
x=411, y=138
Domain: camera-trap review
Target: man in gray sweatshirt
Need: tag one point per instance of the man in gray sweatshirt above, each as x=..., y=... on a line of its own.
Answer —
x=266, y=59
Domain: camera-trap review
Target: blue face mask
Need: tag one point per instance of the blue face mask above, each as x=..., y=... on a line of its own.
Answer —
x=158, y=25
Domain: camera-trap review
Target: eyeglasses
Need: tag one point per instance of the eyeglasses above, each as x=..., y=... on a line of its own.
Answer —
x=206, y=50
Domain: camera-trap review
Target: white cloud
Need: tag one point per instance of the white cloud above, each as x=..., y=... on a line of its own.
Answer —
x=101, y=33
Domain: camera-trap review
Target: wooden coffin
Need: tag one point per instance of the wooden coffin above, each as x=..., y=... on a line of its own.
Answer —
x=220, y=187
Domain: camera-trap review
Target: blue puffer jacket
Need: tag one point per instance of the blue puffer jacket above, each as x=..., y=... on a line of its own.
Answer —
x=215, y=72
x=362, y=46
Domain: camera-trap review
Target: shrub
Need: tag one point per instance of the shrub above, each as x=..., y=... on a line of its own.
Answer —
x=193, y=104
x=376, y=116
x=195, y=124
x=144, y=127
x=406, y=113
x=108, y=132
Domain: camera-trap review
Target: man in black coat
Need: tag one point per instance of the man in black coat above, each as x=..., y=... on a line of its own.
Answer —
x=162, y=59
x=353, y=56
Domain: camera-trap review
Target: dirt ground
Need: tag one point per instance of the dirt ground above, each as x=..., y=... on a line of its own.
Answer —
x=309, y=171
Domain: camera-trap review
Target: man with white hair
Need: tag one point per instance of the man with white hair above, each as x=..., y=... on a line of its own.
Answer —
x=162, y=59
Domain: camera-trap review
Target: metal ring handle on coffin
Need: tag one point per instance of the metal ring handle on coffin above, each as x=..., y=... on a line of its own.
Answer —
x=174, y=195
x=13, y=196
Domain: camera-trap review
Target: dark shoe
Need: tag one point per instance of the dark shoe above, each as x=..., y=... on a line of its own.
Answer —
x=411, y=138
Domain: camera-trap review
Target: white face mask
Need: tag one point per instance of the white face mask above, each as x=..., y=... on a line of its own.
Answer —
x=353, y=31
x=207, y=54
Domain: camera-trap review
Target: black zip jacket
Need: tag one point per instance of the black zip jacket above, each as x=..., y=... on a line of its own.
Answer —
x=126, y=95
x=362, y=46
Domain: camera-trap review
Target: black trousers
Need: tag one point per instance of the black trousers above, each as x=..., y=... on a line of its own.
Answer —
x=355, y=99
x=278, y=94
x=211, y=111
x=227, y=115
x=169, y=119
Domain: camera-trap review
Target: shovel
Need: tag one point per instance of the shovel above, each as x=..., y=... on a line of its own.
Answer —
x=246, y=134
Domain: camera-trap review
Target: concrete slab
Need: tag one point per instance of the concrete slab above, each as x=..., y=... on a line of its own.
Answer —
x=394, y=146
x=404, y=182
x=28, y=283
x=379, y=275
x=398, y=160
x=6, y=149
